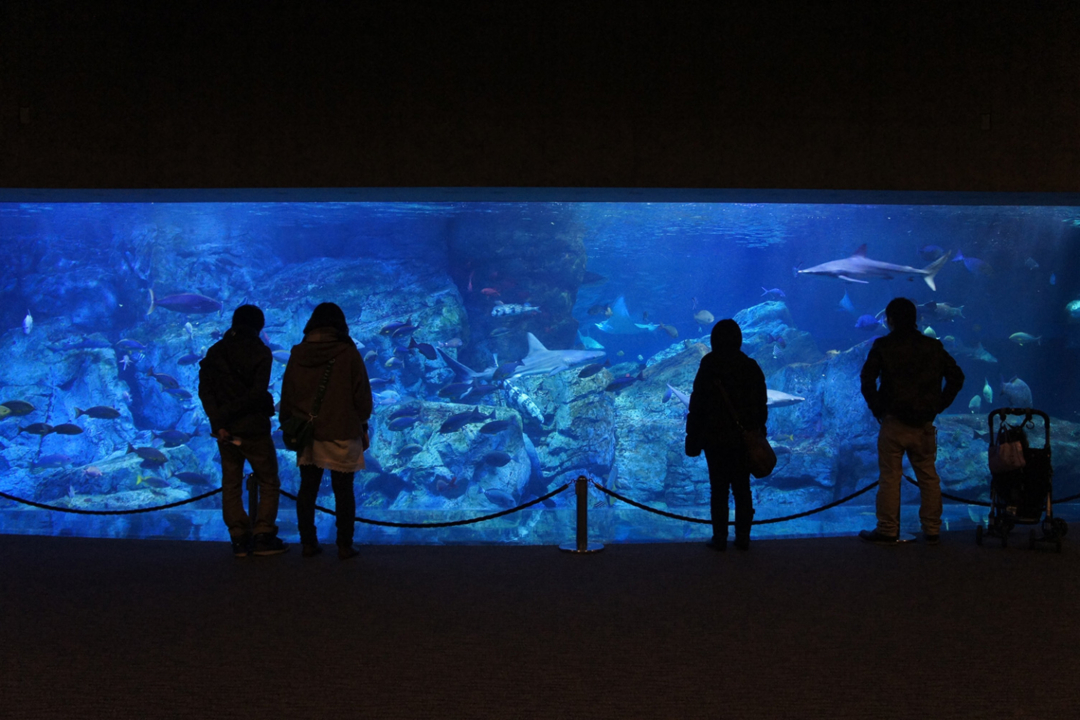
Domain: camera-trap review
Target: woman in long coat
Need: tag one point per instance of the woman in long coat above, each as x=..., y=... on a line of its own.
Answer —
x=710, y=427
x=340, y=427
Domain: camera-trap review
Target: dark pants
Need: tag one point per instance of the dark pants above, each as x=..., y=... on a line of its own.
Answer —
x=262, y=456
x=727, y=469
x=344, y=500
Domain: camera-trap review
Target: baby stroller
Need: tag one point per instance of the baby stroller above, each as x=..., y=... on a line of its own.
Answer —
x=1021, y=485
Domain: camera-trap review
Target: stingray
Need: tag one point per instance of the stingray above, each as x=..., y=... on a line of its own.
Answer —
x=620, y=323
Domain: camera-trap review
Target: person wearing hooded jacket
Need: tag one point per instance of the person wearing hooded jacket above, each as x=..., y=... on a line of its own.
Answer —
x=710, y=428
x=234, y=381
x=911, y=368
x=340, y=427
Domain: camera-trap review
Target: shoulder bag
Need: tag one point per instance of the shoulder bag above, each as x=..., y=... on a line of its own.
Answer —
x=299, y=432
x=760, y=457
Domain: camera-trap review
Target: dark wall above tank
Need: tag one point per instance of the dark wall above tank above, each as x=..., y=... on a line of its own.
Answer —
x=849, y=95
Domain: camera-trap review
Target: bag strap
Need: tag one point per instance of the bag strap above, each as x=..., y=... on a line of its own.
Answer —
x=730, y=407
x=322, y=390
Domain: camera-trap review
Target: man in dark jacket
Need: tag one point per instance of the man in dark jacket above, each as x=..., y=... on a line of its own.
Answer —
x=710, y=427
x=234, y=378
x=911, y=368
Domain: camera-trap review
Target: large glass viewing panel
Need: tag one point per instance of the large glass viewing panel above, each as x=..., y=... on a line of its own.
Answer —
x=606, y=300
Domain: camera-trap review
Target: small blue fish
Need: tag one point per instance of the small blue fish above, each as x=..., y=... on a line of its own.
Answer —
x=389, y=328
x=505, y=370
x=460, y=420
x=379, y=383
x=775, y=292
x=455, y=391
x=867, y=322
x=1053, y=279
x=496, y=426
x=974, y=265
x=425, y=349
x=590, y=370
x=167, y=382
x=188, y=359
x=623, y=382
x=498, y=458
x=500, y=497
x=407, y=411
x=403, y=422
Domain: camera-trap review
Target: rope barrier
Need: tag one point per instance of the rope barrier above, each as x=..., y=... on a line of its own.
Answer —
x=78, y=511
x=708, y=521
x=452, y=523
x=954, y=498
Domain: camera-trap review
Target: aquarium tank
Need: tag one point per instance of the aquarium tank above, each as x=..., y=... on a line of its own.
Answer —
x=515, y=344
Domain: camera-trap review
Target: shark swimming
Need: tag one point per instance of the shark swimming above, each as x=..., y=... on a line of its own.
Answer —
x=541, y=361
x=619, y=323
x=859, y=269
x=464, y=372
x=776, y=398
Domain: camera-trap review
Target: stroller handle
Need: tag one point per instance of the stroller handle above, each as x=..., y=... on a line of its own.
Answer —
x=1026, y=412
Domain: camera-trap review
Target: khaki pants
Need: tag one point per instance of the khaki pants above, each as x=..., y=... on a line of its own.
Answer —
x=920, y=443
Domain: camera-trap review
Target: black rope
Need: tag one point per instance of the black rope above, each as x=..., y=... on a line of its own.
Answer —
x=766, y=521
x=386, y=523
x=954, y=498
x=77, y=511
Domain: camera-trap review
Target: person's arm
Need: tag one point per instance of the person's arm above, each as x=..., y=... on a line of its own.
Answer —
x=868, y=378
x=207, y=393
x=362, y=390
x=954, y=381
x=761, y=399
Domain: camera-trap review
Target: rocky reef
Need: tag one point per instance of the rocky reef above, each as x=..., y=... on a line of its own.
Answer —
x=114, y=363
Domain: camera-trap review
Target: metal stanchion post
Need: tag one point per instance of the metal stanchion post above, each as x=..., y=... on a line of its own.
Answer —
x=253, y=499
x=581, y=489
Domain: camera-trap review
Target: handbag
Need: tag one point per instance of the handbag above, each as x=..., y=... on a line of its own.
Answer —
x=299, y=432
x=760, y=457
x=1005, y=454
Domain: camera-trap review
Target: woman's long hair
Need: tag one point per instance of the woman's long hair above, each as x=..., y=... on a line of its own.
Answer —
x=327, y=315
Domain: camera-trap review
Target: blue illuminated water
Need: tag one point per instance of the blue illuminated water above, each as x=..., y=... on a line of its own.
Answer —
x=77, y=279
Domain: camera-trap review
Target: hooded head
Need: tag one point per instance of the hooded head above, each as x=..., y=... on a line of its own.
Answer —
x=726, y=337
x=248, y=316
x=327, y=315
x=901, y=314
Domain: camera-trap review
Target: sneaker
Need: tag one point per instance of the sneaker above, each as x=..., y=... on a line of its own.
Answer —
x=241, y=545
x=311, y=549
x=344, y=552
x=877, y=538
x=933, y=539
x=742, y=543
x=267, y=544
x=717, y=545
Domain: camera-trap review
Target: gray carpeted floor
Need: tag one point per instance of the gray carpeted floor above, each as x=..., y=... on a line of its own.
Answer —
x=828, y=628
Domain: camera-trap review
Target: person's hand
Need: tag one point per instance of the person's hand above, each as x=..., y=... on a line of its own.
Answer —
x=223, y=435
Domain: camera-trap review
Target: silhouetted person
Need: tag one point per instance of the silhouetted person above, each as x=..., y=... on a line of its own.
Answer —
x=234, y=378
x=710, y=427
x=911, y=368
x=341, y=424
